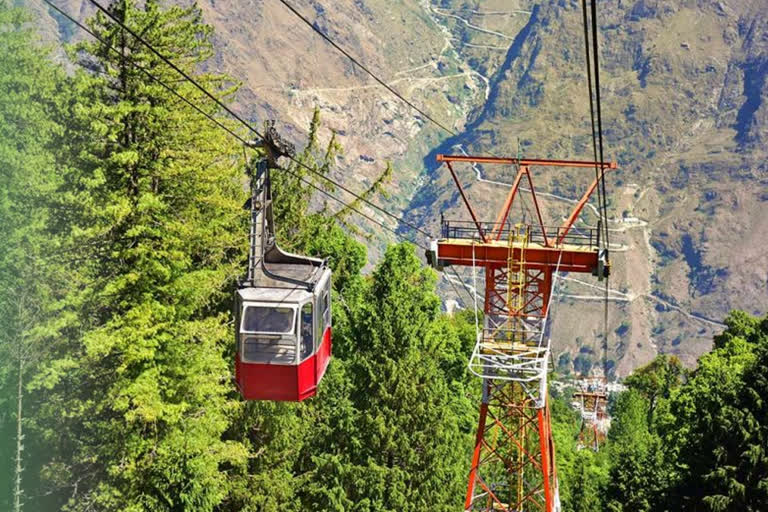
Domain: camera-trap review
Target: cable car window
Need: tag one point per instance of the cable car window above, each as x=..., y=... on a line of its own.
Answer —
x=327, y=304
x=268, y=319
x=259, y=349
x=307, y=345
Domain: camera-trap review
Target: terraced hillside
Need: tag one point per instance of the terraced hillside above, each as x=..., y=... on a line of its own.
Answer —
x=684, y=87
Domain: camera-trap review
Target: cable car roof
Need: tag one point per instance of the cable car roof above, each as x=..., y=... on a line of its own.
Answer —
x=272, y=290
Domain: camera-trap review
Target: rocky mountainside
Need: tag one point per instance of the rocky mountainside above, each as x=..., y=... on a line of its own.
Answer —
x=685, y=111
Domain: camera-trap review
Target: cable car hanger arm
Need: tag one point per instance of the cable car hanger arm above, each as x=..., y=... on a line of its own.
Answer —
x=263, y=240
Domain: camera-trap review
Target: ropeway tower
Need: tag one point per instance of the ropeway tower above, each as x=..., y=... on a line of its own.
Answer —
x=513, y=463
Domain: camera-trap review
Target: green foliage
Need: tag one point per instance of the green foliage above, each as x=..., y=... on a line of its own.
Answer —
x=678, y=440
x=293, y=190
x=323, y=237
x=693, y=441
x=28, y=272
x=717, y=423
x=289, y=190
x=742, y=326
x=586, y=495
x=383, y=430
x=151, y=209
x=636, y=476
x=657, y=380
x=401, y=453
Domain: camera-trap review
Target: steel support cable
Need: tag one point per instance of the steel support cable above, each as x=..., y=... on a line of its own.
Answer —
x=592, y=108
x=147, y=73
x=474, y=286
x=599, y=116
x=605, y=331
x=523, y=205
x=455, y=290
x=555, y=297
x=555, y=294
x=400, y=220
x=605, y=197
x=173, y=66
x=370, y=73
x=328, y=194
x=598, y=134
x=463, y=284
x=243, y=121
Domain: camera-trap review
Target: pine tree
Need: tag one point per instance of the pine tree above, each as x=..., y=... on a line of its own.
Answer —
x=139, y=392
x=28, y=82
x=406, y=450
x=586, y=483
x=717, y=428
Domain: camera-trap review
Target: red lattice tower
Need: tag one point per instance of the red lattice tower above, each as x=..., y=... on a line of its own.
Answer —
x=513, y=463
x=592, y=398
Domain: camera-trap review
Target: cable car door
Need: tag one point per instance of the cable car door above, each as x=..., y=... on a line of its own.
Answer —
x=307, y=343
x=323, y=323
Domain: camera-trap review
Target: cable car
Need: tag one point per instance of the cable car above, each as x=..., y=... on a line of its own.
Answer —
x=284, y=334
x=282, y=310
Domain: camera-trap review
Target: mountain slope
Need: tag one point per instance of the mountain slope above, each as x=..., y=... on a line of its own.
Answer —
x=684, y=110
x=682, y=97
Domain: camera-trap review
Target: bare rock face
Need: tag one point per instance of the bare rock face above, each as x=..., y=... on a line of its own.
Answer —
x=685, y=113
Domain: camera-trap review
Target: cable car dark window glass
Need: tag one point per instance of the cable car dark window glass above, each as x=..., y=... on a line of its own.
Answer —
x=307, y=344
x=268, y=319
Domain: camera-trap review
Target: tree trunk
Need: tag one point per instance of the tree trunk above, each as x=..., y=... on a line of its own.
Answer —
x=19, y=439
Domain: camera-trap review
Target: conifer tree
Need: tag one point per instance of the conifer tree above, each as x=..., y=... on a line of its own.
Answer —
x=637, y=474
x=28, y=82
x=406, y=450
x=139, y=391
x=717, y=432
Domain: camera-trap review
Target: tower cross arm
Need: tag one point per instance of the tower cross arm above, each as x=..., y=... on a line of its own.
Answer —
x=526, y=161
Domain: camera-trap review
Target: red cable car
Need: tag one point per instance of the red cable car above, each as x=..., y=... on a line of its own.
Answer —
x=282, y=308
x=284, y=334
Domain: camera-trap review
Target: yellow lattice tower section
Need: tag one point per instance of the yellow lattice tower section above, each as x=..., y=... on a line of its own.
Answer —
x=518, y=237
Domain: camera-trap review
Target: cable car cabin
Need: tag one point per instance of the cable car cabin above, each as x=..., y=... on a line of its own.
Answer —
x=284, y=333
x=283, y=307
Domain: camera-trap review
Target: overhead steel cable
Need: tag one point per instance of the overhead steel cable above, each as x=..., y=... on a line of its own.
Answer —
x=148, y=74
x=381, y=82
x=351, y=207
x=596, y=58
x=605, y=330
x=235, y=135
x=461, y=280
x=592, y=108
x=455, y=290
x=597, y=146
x=364, y=68
x=173, y=66
x=246, y=123
x=400, y=220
